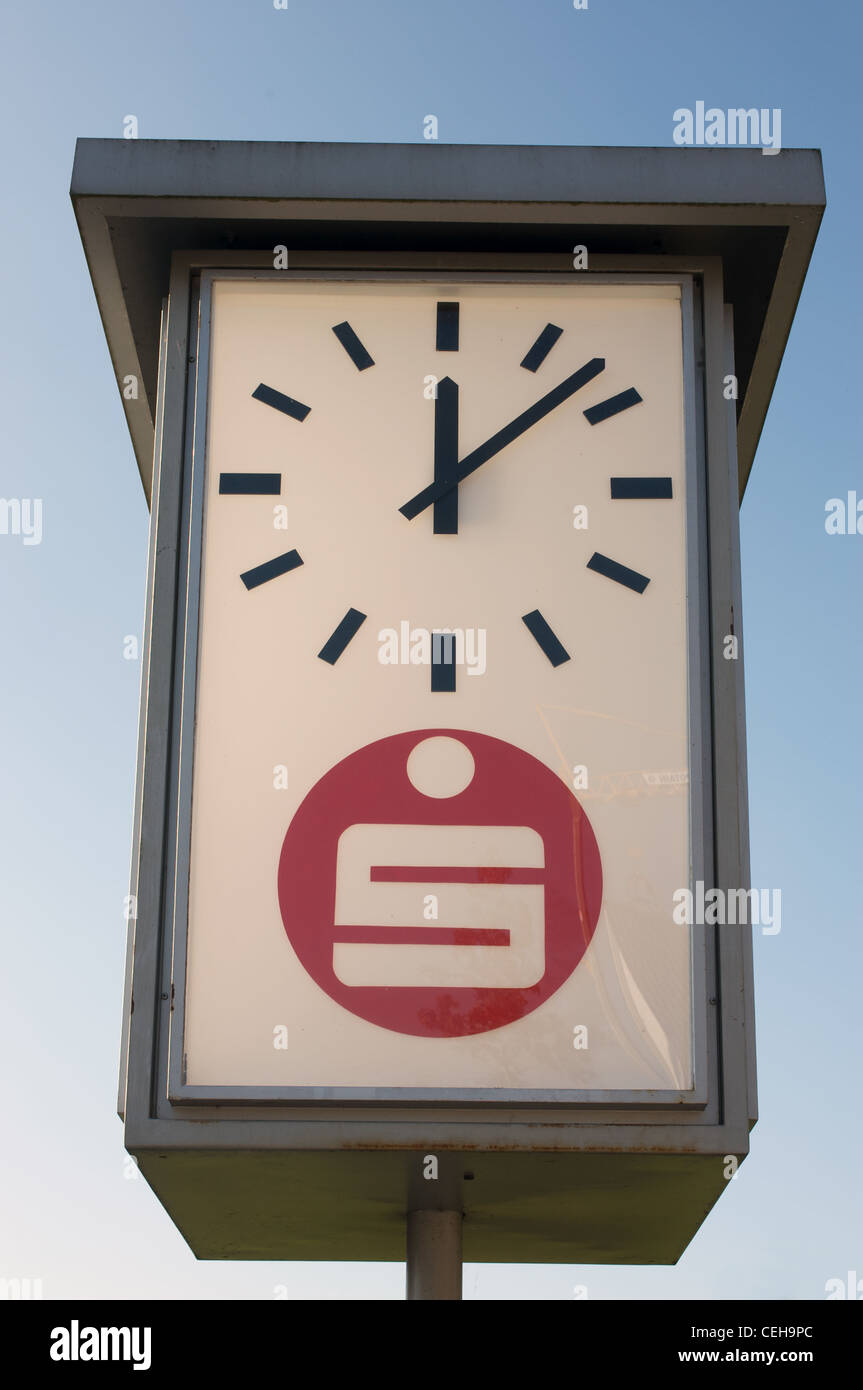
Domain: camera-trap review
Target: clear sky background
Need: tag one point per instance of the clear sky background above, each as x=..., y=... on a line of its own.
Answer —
x=494, y=72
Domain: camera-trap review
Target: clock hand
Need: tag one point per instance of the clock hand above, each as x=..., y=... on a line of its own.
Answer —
x=446, y=456
x=469, y=464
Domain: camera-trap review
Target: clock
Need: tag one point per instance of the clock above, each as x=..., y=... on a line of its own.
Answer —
x=441, y=672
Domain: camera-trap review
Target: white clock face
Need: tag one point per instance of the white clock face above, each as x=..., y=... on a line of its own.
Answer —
x=440, y=798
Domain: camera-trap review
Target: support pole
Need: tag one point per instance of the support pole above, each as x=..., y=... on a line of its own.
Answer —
x=434, y=1254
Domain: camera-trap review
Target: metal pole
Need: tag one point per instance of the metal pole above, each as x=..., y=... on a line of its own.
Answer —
x=434, y=1254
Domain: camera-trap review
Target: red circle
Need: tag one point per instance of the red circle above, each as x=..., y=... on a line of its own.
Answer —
x=509, y=787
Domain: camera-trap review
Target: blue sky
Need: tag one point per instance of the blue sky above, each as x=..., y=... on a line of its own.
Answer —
x=495, y=72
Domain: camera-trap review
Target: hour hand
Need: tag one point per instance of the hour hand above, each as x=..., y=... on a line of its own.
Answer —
x=446, y=456
x=469, y=464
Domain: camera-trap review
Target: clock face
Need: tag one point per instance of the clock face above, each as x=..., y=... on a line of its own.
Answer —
x=440, y=779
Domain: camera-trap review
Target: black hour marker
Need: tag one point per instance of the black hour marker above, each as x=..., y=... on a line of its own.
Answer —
x=542, y=347
x=619, y=573
x=447, y=327
x=360, y=357
x=271, y=569
x=443, y=662
x=613, y=406
x=346, y=630
x=278, y=401
x=546, y=639
x=250, y=484
x=622, y=488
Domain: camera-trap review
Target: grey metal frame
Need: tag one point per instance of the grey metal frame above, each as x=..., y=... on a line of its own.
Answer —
x=152, y=1121
x=176, y=912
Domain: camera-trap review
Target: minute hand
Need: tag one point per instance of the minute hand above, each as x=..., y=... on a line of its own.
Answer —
x=474, y=460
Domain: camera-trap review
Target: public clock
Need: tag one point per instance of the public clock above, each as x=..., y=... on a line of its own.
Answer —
x=438, y=798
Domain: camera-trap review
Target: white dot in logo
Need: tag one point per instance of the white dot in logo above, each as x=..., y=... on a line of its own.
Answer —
x=440, y=766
